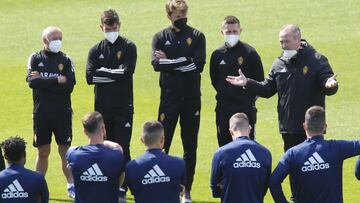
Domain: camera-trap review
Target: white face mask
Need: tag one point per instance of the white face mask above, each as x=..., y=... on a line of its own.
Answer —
x=288, y=54
x=231, y=40
x=111, y=36
x=55, y=46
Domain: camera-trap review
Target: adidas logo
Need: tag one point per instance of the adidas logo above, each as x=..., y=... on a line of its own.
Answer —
x=167, y=42
x=197, y=113
x=127, y=125
x=14, y=191
x=68, y=140
x=247, y=160
x=93, y=174
x=41, y=64
x=155, y=175
x=315, y=163
x=222, y=62
x=101, y=56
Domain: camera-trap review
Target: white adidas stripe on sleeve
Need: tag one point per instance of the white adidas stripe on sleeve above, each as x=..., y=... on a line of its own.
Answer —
x=172, y=61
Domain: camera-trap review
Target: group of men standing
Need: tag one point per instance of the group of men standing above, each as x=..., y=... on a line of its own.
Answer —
x=301, y=77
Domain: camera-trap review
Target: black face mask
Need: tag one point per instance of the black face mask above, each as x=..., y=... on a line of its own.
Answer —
x=180, y=23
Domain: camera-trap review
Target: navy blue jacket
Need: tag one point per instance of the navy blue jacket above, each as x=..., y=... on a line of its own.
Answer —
x=243, y=167
x=155, y=177
x=357, y=169
x=21, y=185
x=96, y=170
x=316, y=170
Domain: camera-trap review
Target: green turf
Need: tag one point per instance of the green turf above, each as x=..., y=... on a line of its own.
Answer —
x=330, y=25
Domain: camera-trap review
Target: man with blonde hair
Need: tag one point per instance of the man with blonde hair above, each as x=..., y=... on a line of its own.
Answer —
x=51, y=76
x=178, y=53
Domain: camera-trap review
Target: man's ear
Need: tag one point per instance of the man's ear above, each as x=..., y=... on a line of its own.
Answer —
x=304, y=126
x=45, y=41
x=231, y=132
x=101, y=28
x=142, y=139
x=325, y=127
x=169, y=17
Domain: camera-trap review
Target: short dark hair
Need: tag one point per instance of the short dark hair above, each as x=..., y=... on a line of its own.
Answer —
x=92, y=121
x=152, y=131
x=238, y=122
x=110, y=17
x=231, y=20
x=315, y=119
x=14, y=148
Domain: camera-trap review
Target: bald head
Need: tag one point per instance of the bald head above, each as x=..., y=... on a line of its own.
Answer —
x=50, y=31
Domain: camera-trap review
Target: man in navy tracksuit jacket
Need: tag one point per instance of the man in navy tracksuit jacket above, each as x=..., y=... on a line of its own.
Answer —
x=241, y=168
x=96, y=167
x=18, y=184
x=155, y=177
x=315, y=165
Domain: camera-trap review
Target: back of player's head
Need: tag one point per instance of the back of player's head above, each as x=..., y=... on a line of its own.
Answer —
x=179, y=5
x=231, y=20
x=14, y=149
x=92, y=122
x=239, y=122
x=110, y=17
x=315, y=119
x=152, y=132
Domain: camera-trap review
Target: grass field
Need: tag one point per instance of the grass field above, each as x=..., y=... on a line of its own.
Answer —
x=330, y=25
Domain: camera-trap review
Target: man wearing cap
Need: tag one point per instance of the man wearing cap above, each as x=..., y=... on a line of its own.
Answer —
x=51, y=76
x=315, y=165
x=110, y=68
x=227, y=60
x=178, y=53
x=240, y=169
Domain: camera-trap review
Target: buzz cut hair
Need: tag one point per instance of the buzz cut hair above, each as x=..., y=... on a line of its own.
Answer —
x=239, y=122
x=315, y=119
x=179, y=5
x=49, y=30
x=293, y=29
x=14, y=148
x=152, y=132
x=92, y=122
